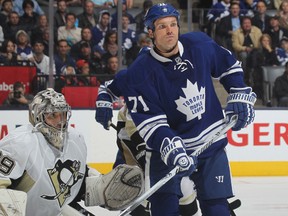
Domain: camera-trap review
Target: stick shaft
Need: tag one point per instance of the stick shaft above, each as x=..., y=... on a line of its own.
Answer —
x=175, y=170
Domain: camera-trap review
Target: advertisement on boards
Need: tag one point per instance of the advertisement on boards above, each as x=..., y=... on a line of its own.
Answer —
x=265, y=141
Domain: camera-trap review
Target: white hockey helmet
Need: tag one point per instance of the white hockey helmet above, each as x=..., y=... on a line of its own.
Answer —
x=44, y=105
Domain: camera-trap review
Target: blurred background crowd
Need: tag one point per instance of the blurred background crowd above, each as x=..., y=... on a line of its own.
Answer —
x=85, y=46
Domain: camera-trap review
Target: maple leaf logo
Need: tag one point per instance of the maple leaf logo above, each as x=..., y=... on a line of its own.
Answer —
x=193, y=104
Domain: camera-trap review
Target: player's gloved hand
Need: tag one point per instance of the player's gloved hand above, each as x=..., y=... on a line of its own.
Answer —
x=104, y=109
x=241, y=102
x=173, y=153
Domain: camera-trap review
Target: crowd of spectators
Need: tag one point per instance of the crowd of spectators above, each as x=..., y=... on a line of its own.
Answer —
x=89, y=37
x=85, y=42
x=254, y=30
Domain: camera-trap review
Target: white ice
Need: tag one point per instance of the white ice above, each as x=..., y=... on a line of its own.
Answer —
x=260, y=196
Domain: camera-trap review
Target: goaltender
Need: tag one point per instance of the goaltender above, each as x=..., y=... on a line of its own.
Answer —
x=43, y=166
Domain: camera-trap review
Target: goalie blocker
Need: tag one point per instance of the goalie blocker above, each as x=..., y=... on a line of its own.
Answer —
x=115, y=190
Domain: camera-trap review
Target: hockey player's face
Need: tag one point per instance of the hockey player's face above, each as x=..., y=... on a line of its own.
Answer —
x=166, y=35
x=57, y=119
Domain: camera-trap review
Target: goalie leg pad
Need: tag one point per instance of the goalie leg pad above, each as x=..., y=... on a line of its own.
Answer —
x=115, y=190
x=12, y=202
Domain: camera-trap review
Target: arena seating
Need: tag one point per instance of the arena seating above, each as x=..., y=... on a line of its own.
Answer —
x=270, y=73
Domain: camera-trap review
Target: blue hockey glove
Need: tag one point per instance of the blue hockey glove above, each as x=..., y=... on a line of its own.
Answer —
x=104, y=109
x=241, y=102
x=173, y=153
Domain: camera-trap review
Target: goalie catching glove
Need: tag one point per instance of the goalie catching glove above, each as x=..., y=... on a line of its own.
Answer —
x=115, y=190
x=241, y=102
x=104, y=108
x=173, y=154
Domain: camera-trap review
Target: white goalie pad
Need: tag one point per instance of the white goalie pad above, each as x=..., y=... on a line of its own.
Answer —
x=116, y=189
x=12, y=202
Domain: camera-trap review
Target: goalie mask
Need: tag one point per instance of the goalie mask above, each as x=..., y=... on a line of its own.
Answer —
x=49, y=113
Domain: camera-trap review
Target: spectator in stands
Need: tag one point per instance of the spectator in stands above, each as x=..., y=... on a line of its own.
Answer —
x=86, y=78
x=276, y=32
x=216, y=13
x=18, y=98
x=87, y=55
x=128, y=35
x=248, y=7
x=110, y=45
x=98, y=63
x=67, y=78
x=281, y=88
x=45, y=39
x=40, y=59
x=266, y=51
x=114, y=16
x=283, y=13
x=23, y=45
x=219, y=10
x=100, y=30
x=12, y=26
x=245, y=40
x=30, y=18
x=6, y=9
x=128, y=3
x=143, y=41
x=18, y=7
x=112, y=66
x=59, y=16
x=70, y=32
x=62, y=56
x=282, y=52
x=88, y=18
x=8, y=54
x=111, y=69
x=261, y=19
x=38, y=30
x=264, y=56
x=139, y=18
x=227, y=26
x=86, y=36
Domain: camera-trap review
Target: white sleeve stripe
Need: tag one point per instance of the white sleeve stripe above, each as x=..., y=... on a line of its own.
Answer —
x=205, y=133
x=151, y=120
x=230, y=72
x=151, y=131
x=145, y=130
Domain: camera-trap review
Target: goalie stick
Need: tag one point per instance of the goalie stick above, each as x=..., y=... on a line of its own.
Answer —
x=175, y=170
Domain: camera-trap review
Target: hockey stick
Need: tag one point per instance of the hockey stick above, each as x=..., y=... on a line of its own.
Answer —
x=113, y=126
x=175, y=170
x=234, y=205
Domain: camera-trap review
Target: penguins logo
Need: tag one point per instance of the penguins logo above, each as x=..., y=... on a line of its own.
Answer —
x=63, y=176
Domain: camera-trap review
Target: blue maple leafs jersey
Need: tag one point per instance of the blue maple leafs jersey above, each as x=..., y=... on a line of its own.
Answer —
x=175, y=96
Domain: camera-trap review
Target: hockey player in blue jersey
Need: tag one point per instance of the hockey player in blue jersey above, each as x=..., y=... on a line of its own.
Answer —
x=170, y=95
